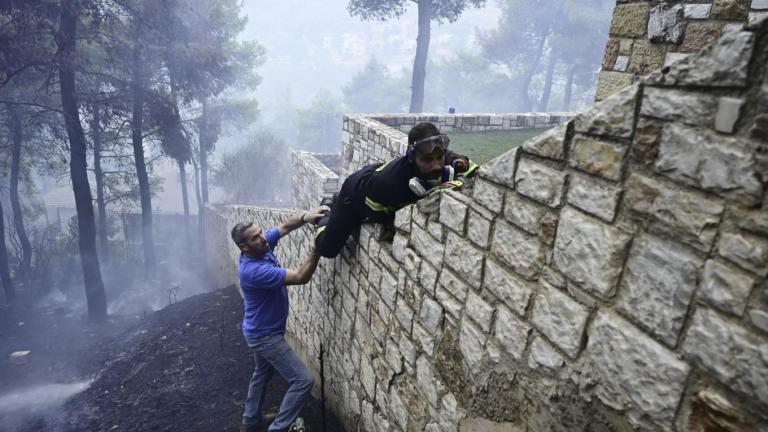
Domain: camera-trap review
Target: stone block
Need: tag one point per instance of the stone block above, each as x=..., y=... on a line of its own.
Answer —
x=728, y=110
x=697, y=11
x=450, y=304
x=602, y=158
x=539, y=182
x=464, y=258
x=594, y=196
x=646, y=57
x=724, y=65
x=471, y=345
x=524, y=213
x=399, y=246
x=511, y=332
x=424, y=338
x=666, y=24
x=511, y=289
x=759, y=319
x=453, y=284
x=614, y=117
x=679, y=105
x=633, y=366
x=388, y=289
x=629, y=20
x=674, y=57
x=700, y=34
x=427, y=382
x=625, y=46
x=745, y=250
x=501, y=169
x=693, y=215
x=705, y=160
x=714, y=343
x=430, y=249
x=488, y=195
x=397, y=408
x=522, y=252
x=611, y=53
x=478, y=229
x=658, y=300
x=550, y=144
x=543, y=355
x=590, y=252
x=622, y=62
x=431, y=315
x=754, y=220
x=725, y=287
x=559, y=318
x=368, y=377
x=609, y=83
x=479, y=311
x=730, y=9
x=404, y=315
x=407, y=348
x=453, y=213
x=647, y=137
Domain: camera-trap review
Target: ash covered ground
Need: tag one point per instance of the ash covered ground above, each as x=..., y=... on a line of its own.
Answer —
x=183, y=368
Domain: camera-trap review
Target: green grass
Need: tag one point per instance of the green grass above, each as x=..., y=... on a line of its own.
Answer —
x=484, y=146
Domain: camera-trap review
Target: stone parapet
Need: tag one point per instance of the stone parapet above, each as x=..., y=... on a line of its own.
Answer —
x=647, y=35
x=372, y=138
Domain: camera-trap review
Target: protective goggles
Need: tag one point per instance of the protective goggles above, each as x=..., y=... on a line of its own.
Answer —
x=429, y=144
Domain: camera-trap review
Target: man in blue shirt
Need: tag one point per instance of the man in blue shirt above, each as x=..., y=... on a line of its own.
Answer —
x=264, y=287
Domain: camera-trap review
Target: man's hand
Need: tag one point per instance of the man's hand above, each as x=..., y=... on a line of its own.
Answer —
x=314, y=215
x=299, y=219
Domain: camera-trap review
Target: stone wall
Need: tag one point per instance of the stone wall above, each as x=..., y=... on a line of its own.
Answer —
x=609, y=275
x=647, y=35
x=374, y=138
x=312, y=179
x=221, y=268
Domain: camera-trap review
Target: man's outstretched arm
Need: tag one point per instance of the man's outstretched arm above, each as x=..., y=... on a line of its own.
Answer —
x=304, y=273
x=299, y=219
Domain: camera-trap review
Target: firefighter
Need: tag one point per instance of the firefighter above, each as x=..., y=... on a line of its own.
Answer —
x=376, y=191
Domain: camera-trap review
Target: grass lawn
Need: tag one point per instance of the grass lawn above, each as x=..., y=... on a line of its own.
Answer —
x=484, y=146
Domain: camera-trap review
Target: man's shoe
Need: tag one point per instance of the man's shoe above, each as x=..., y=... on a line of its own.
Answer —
x=297, y=425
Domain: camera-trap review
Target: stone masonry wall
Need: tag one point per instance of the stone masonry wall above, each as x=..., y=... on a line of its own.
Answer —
x=647, y=35
x=608, y=275
x=311, y=178
x=374, y=138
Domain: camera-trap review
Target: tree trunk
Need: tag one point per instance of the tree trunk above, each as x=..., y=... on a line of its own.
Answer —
x=5, y=271
x=184, y=195
x=99, y=174
x=94, y=286
x=141, y=166
x=204, y=144
x=420, y=62
x=548, y=81
x=525, y=84
x=18, y=216
x=198, y=199
x=569, y=89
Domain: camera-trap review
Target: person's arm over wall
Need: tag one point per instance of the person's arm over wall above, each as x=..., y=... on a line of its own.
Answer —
x=304, y=273
x=299, y=219
x=461, y=164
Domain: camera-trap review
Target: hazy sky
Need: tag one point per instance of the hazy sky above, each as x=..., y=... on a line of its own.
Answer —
x=315, y=45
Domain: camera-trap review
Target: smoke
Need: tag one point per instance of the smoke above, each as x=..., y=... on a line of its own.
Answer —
x=42, y=400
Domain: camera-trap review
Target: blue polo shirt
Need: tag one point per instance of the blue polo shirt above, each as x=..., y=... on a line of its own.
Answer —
x=265, y=295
